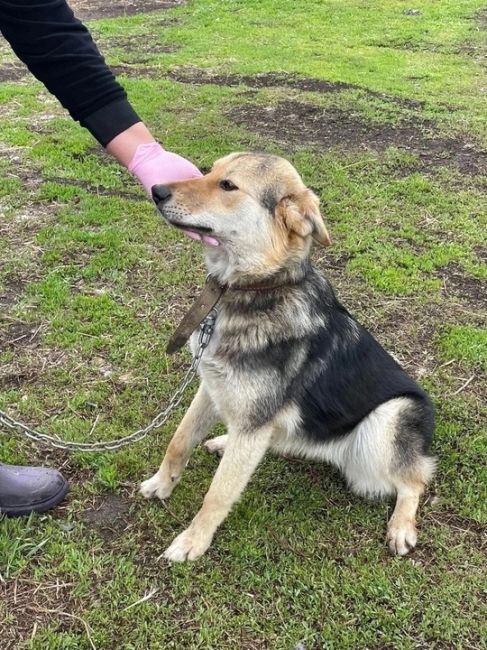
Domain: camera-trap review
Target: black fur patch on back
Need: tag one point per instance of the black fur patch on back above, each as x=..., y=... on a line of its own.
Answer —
x=337, y=374
x=351, y=376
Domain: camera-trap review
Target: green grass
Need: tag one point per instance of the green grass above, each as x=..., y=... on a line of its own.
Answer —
x=95, y=283
x=469, y=344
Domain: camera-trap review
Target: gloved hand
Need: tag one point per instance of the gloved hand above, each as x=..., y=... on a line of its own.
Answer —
x=153, y=165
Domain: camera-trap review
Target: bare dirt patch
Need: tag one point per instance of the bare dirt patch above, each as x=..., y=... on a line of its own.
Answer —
x=27, y=606
x=481, y=253
x=19, y=335
x=30, y=364
x=446, y=517
x=107, y=516
x=138, y=50
x=137, y=71
x=11, y=289
x=196, y=76
x=16, y=378
x=86, y=9
x=12, y=72
x=294, y=124
x=457, y=283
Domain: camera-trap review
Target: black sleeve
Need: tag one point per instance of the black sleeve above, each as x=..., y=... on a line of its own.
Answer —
x=58, y=49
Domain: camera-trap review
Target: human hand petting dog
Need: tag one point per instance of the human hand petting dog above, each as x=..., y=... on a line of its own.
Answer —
x=147, y=160
x=152, y=165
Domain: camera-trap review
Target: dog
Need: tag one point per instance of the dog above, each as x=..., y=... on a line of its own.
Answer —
x=288, y=369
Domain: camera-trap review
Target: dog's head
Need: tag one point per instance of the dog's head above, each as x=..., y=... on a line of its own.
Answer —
x=252, y=211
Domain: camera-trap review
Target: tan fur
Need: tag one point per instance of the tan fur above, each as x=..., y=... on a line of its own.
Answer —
x=301, y=215
x=195, y=426
x=242, y=455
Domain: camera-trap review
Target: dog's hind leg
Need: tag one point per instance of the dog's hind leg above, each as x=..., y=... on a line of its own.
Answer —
x=410, y=485
x=411, y=469
x=401, y=529
x=217, y=445
x=195, y=425
x=387, y=454
x=242, y=454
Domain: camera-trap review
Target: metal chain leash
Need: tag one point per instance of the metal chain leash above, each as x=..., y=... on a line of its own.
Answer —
x=206, y=331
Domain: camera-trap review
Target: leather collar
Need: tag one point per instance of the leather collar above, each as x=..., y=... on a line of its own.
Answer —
x=199, y=310
x=203, y=304
x=258, y=286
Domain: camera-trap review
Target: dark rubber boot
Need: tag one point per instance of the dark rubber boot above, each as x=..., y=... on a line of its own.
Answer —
x=30, y=489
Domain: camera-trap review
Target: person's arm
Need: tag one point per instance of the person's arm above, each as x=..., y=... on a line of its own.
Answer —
x=58, y=49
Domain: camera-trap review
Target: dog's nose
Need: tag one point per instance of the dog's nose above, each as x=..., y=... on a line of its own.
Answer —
x=161, y=193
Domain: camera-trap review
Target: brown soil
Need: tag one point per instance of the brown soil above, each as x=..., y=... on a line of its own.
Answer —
x=136, y=71
x=17, y=378
x=481, y=253
x=27, y=605
x=449, y=519
x=108, y=516
x=89, y=9
x=294, y=124
x=10, y=291
x=12, y=72
x=195, y=76
x=482, y=20
x=457, y=283
x=143, y=57
x=31, y=363
x=18, y=335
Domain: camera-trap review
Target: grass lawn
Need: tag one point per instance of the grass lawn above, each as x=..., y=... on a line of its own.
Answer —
x=381, y=106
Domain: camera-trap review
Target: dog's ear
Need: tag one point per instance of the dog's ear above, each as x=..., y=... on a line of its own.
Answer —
x=301, y=214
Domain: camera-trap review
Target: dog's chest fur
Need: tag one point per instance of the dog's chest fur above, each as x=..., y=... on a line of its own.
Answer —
x=258, y=346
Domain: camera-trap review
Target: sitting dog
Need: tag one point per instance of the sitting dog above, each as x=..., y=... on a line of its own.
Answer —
x=287, y=369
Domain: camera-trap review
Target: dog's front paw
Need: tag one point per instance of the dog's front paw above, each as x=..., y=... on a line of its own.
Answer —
x=189, y=545
x=402, y=537
x=157, y=486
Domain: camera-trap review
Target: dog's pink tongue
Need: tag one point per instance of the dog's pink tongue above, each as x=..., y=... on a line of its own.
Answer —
x=211, y=241
x=193, y=235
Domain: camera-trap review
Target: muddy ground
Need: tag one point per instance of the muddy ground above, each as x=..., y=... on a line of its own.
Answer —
x=92, y=9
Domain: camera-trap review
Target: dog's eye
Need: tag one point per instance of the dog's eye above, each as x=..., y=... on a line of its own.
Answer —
x=228, y=186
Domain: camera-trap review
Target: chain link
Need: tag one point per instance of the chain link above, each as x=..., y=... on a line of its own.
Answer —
x=206, y=331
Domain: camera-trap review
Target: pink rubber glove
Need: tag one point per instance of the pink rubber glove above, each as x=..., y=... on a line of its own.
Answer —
x=152, y=165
